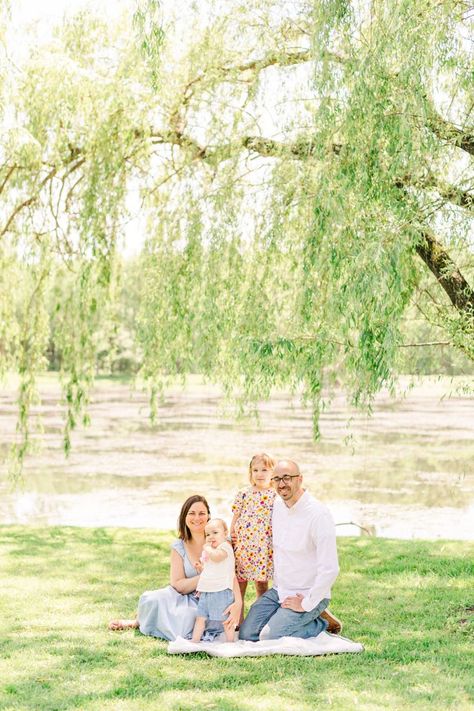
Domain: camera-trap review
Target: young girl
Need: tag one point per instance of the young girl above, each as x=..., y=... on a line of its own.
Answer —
x=251, y=529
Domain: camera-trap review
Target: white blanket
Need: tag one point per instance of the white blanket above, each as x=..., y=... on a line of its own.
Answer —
x=324, y=643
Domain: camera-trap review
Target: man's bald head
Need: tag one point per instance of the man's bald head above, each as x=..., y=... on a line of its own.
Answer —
x=288, y=466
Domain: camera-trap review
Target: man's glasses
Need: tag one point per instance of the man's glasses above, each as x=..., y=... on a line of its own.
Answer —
x=285, y=479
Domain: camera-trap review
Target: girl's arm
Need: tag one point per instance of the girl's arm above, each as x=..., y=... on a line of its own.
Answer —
x=233, y=535
x=237, y=509
x=178, y=579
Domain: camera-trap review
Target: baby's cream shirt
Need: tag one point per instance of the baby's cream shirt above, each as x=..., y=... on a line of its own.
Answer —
x=218, y=576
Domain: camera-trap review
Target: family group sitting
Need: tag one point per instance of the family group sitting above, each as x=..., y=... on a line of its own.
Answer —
x=289, y=538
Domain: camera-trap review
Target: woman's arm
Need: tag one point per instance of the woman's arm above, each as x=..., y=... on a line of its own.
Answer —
x=178, y=579
x=234, y=609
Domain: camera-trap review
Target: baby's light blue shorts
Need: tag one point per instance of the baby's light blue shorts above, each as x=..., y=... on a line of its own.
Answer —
x=212, y=604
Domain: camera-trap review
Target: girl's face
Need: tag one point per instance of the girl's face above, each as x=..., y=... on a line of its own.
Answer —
x=261, y=474
x=197, y=517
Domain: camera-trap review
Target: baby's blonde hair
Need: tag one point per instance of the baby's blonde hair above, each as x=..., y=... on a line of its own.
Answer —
x=266, y=459
x=221, y=521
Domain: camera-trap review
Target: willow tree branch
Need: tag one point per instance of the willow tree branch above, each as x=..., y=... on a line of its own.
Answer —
x=36, y=195
x=281, y=59
x=443, y=129
x=422, y=345
x=449, y=277
x=21, y=206
x=449, y=132
x=267, y=147
x=453, y=194
x=10, y=171
x=450, y=193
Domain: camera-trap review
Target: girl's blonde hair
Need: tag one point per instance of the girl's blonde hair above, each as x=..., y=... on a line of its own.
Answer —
x=267, y=460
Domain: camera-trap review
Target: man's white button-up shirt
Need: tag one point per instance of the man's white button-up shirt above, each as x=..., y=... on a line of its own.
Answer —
x=304, y=550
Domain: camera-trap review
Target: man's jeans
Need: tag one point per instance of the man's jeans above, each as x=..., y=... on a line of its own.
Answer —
x=266, y=619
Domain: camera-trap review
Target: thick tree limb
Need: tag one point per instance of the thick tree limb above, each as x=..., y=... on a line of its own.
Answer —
x=281, y=59
x=267, y=147
x=450, y=133
x=301, y=149
x=446, y=272
x=452, y=194
x=28, y=201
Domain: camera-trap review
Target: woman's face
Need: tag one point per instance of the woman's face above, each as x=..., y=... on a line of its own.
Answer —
x=197, y=517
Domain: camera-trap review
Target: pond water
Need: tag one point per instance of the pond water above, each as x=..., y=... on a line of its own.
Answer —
x=404, y=472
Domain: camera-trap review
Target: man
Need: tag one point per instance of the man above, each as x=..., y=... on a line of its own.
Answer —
x=305, y=565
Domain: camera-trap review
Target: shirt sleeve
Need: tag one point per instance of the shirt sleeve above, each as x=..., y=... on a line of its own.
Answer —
x=237, y=505
x=226, y=547
x=323, y=533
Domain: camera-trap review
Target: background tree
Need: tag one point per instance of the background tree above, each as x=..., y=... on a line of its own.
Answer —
x=305, y=176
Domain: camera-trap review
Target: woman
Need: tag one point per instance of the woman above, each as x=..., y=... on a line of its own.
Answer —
x=170, y=612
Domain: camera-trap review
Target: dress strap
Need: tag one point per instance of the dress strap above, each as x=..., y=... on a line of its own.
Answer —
x=178, y=546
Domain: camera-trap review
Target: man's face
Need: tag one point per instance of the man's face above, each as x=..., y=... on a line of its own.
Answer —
x=288, y=490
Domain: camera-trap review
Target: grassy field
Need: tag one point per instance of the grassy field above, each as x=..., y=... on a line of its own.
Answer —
x=407, y=602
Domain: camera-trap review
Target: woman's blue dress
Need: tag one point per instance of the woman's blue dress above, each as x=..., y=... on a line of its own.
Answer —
x=167, y=613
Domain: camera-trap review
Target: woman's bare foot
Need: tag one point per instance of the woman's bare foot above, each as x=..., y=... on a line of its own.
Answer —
x=123, y=624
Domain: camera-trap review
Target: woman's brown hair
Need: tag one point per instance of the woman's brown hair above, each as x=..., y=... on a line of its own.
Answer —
x=183, y=530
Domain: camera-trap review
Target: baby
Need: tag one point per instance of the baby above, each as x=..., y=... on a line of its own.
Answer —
x=216, y=580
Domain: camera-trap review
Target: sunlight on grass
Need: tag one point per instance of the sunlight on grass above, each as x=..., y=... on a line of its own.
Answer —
x=407, y=602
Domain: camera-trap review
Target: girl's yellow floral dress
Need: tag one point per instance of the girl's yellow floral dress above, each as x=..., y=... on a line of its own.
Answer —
x=253, y=549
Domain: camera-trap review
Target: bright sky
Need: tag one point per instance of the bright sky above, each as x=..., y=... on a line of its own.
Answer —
x=48, y=12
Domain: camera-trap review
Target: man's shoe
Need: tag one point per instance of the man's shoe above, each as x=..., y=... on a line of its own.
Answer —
x=334, y=625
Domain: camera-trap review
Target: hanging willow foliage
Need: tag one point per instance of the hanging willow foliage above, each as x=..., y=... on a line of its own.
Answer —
x=305, y=175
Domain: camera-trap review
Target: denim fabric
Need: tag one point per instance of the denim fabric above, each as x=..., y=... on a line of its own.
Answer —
x=266, y=619
x=211, y=605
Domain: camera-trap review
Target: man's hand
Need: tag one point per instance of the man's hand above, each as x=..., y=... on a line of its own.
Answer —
x=234, y=615
x=293, y=602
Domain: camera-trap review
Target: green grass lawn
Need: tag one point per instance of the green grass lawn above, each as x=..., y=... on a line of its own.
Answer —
x=409, y=603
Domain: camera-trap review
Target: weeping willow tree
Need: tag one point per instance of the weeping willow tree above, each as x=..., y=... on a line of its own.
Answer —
x=304, y=174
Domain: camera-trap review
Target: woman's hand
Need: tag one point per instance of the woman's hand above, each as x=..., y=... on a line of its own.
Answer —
x=234, y=615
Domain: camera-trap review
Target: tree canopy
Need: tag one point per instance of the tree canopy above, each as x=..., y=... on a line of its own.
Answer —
x=303, y=174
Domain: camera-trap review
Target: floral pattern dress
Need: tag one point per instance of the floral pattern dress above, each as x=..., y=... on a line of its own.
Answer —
x=253, y=549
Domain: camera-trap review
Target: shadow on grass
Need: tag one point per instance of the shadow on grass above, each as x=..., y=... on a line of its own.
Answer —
x=403, y=600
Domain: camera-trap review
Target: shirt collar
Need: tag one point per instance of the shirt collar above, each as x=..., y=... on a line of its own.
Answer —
x=295, y=506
